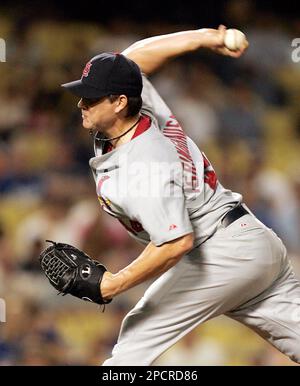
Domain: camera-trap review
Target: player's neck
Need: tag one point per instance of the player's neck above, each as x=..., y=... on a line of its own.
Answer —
x=122, y=126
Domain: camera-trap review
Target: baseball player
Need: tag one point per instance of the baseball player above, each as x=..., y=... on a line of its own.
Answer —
x=210, y=253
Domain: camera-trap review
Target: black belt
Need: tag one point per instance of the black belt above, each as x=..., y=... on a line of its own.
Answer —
x=233, y=215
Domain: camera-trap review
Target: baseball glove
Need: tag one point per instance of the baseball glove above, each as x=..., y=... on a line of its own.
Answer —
x=71, y=271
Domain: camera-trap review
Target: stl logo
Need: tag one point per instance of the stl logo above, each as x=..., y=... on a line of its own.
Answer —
x=2, y=50
x=86, y=71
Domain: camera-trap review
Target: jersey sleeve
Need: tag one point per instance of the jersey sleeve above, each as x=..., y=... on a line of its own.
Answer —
x=160, y=208
x=154, y=105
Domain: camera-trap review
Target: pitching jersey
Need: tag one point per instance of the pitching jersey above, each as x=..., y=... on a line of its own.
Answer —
x=159, y=185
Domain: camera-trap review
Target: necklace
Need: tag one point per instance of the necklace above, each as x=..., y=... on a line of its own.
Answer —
x=120, y=136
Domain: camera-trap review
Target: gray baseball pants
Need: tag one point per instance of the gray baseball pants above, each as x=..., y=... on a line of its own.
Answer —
x=242, y=271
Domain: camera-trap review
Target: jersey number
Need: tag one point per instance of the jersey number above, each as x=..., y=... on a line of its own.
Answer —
x=210, y=176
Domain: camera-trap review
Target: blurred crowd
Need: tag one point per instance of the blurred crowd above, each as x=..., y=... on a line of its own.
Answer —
x=242, y=113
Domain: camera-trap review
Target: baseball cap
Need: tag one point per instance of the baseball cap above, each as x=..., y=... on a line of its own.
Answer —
x=108, y=74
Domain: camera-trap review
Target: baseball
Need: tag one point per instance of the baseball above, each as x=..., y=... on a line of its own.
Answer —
x=234, y=39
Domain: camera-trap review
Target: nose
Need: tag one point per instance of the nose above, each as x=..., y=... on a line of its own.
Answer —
x=80, y=104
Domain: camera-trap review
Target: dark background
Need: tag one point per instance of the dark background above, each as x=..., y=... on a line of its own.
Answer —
x=192, y=12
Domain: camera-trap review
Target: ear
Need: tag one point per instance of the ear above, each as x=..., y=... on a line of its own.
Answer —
x=121, y=103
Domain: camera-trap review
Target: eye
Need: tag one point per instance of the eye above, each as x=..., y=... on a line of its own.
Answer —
x=89, y=102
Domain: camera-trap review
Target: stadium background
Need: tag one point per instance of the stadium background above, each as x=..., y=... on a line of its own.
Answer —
x=243, y=113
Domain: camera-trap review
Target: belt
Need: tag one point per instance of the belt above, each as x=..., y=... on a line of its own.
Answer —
x=233, y=215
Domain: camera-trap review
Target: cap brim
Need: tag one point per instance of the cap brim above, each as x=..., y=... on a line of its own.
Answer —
x=82, y=90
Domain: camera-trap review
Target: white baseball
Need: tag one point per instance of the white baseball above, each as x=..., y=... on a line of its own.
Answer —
x=234, y=39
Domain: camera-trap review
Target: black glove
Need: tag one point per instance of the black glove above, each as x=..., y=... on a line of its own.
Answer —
x=73, y=272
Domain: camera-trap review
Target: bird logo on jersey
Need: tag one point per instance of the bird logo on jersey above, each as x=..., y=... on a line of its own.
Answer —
x=104, y=202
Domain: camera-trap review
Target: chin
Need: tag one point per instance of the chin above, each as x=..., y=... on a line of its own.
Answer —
x=87, y=125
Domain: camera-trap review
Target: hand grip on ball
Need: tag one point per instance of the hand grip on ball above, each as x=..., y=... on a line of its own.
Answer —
x=234, y=39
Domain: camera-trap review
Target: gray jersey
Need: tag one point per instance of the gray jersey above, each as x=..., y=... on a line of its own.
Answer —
x=160, y=185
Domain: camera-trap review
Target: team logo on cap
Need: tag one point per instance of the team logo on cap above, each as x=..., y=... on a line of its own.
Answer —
x=86, y=71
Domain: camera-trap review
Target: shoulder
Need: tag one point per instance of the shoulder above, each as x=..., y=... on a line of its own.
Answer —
x=155, y=147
